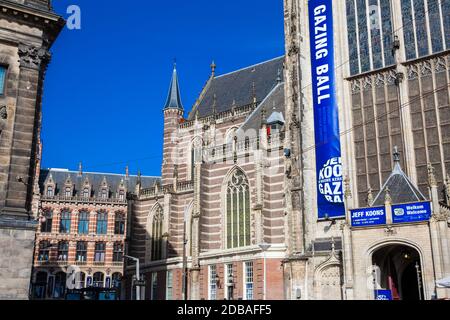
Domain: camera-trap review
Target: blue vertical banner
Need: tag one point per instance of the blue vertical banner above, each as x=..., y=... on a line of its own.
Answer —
x=326, y=118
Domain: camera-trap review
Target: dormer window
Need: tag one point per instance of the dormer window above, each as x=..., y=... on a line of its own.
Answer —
x=104, y=194
x=50, y=192
x=68, y=192
x=85, y=193
x=122, y=195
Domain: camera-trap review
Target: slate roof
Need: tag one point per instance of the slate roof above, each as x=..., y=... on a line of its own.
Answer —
x=273, y=104
x=240, y=87
x=402, y=190
x=174, y=96
x=95, y=179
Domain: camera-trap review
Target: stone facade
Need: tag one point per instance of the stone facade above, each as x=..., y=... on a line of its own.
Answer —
x=27, y=31
x=390, y=94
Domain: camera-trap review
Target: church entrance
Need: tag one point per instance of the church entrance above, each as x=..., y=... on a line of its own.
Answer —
x=398, y=268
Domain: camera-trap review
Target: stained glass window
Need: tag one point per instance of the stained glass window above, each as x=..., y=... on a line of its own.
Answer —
x=238, y=211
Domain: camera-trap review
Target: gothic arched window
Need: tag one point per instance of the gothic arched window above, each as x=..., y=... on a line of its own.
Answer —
x=238, y=211
x=157, y=232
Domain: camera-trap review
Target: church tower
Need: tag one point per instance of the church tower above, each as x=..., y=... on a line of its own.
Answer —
x=28, y=29
x=173, y=112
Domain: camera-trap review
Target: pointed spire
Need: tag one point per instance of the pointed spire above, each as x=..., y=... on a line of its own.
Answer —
x=174, y=96
x=127, y=173
x=80, y=169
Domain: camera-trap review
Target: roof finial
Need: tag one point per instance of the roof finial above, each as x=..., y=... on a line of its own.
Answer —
x=127, y=172
x=213, y=69
x=254, y=92
x=279, y=76
x=396, y=154
x=80, y=169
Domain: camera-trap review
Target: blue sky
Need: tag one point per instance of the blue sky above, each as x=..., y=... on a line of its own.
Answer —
x=107, y=83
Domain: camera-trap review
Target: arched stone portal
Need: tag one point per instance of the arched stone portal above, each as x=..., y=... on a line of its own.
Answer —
x=399, y=268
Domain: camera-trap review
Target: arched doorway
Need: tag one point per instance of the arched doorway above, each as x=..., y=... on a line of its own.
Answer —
x=398, y=268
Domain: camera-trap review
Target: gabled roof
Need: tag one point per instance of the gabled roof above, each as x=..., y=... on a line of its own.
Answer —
x=60, y=176
x=239, y=88
x=174, y=97
x=273, y=104
x=401, y=189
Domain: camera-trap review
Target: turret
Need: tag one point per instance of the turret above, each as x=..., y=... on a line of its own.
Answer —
x=173, y=112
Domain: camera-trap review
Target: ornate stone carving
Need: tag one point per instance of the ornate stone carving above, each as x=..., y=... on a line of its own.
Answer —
x=413, y=72
x=380, y=80
x=367, y=82
x=390, y=230
x=425, y=68
x=439, y=64
x=432, y=182
x=32, y=57
x=356, y=86
x=391, y=77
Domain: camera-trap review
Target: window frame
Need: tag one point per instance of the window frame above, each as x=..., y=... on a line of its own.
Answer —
x=238, y=213
x=100, y=252
x=212, y=284
x=169, y=285
x=84, y=223
x=118, y=253
x=65, y=222
x=44, y=249
x=63, y=251
x=245, y=279
x=83, y=250
x=47, y=225
x=101, y=226
x=119, y=223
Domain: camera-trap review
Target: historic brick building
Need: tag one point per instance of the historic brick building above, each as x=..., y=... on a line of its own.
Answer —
x=82, y=234
x=220, y=200
x=28, y=29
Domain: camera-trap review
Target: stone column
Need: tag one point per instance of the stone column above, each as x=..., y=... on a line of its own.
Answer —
x=195, y=270
x=167, y=213
x=258, y=209
x=347, y=240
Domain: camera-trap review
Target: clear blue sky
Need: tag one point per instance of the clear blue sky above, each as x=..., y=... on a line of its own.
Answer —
x=107, y=83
